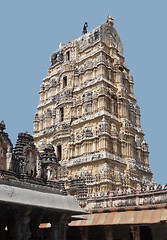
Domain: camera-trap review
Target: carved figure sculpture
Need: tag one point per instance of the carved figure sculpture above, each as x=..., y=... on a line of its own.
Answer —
x=85, y=28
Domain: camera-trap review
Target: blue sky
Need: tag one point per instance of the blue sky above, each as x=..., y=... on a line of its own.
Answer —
x=31, y=30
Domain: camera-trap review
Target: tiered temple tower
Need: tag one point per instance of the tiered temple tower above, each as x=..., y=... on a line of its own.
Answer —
x=88, y=112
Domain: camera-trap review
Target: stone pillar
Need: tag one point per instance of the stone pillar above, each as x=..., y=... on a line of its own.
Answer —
x=135, y=230
x=34, y=225
x=64, y=229
x=108, y=232
x=54, y=233
x=84, y=233
x=18, y=224
x=3, y=223
x=165, y=224
x=2, y=230
x=155, y=231
x=58, y=230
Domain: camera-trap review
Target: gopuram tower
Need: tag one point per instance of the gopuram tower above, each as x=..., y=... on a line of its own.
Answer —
x=89, y=113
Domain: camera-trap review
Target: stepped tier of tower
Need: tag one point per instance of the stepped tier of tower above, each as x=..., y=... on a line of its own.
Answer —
x=89, y=113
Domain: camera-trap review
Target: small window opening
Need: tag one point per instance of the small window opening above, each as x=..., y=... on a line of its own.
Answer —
x=121, y=68
x=64, y=81
x=73, y=192
x=61, y=114
x=68, y=55
x=59, y=152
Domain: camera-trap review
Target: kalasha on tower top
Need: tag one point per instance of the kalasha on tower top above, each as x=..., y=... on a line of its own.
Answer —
x=88, y=112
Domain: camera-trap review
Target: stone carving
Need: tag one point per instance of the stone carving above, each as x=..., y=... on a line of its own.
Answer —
x=87, y=97
x=42, y=88
x=86, y=132
x=57, y=57
x=138, y=143
x=2, y=126
x=114, y=130
x=72, y=136
x=2, y=157
x=104, y=126
x=144, y=146
x=110, y=20
x=6, y=148
x=65, y=126
x=41, y=145
x=52, y=82
x=49, y=163
x=105, y=172
x=78, y=188
x=66, y=152
x=25, y=163
x=50, y=173
x=85, y=28
x=1, y=151
x=101, y=118
x=48, y=113
x=26, y=156
x=30, y=165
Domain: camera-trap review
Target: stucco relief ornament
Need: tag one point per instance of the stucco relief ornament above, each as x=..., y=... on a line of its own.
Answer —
x=104, y=171
x=1, y=151
x=137, y=139
x=66, y=152
x=8, y=156
x=72, y=136
x=96, y=176
x=50, y=173
x=105, y=168
x=86, y=132
x=78, y=137
x=104, y=126
x=22, y=166
x=42, y=88
x=30, y=164
x=85, y=172
x=114, y=129
x=69, y=177
x=2, y=126
x=144, y=145
x=110, y=20
x=117, y=174
x=39, y=169
x=41, y=145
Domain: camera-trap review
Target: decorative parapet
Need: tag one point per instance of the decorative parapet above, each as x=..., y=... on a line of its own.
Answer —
x=26, y=158
x=139, y=196
x=25, y=165
x=78, y=188
x=95, y=157
x=94, y=116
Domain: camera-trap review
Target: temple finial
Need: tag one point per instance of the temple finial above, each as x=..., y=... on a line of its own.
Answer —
x=85, y=28
x=110, y=20
x=2, y=125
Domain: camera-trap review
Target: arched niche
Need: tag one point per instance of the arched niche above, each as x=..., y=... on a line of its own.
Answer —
x=30, y=163
x=3, y=154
